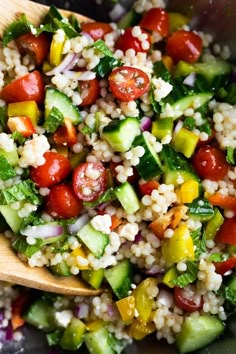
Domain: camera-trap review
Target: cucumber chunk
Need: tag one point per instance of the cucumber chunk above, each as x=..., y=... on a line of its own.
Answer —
x=93, y=277
x=127, y=197
x=41, y=315
x=61, y=269
x=95, y=241
x=73, y=335
x=12, y=218
x=101, y=341
x=198, y=332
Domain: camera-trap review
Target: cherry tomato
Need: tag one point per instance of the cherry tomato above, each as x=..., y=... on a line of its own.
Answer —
x=89, y=91
x=54, y=170
x=184, y=45
x=22, y=125
x=89, y=181
x=148, y=187
x=156, y=19
x=131, y=179
x=97, y=30
x=227, y=232
x=127, y=41
x=128, y=83
x=66, y=134
x=38, y=47
x=224, y=266
x=186, y=298
x=210, y=162
x=29, y=87
x=62, y=203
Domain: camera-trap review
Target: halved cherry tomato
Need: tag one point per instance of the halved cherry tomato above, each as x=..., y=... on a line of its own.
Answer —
x=62, y=203
x=22, y=125
x=66, y=134
x=131, y=179
x=127, y=41
x=89, y=180
x=184, y=45
x=186, y=298
x=148, y=187
x=210, y=162
x=89, y=91
x=38, y=47
x=224, y=266
x=97, y=30
x=128, y=83
x=54, y=170
x=29, y=87
x=156, y=19
x=227, y=232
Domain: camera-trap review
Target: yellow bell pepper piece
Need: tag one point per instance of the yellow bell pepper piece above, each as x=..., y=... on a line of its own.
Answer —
x=189, y=191
x=168, y=62
x=46, y=66
x=126, y=307
x=185, y=141
x=25, y=108
x=94, y=325
x=56, y=48
x=179, y=247
x=169, y=276
x=177, y=21
x=139, y=330
x=79, y=252
x=143, y=302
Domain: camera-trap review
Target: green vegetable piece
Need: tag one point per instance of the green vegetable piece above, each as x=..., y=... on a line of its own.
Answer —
x=230, y=155
x=41, y=315
x=161, y=71
x=162, y=127
x=185, y=142
x=73, y=336
x=95, y=241
x=6, y=170
x=61, y=269
x=54, y=338
x=105, y=66
x=214, y=224
x=93, y=277
x=170, y=275
x=16, y=29
x=11, y=156
x=101, y=46
x=188, y=277
x=120, y=277
x=131, y=18
x=54, y=120
x=127, y=197
x=201, y=209
x=21, y=246
x=12, y=218
x=100, y=341
x=24, y=190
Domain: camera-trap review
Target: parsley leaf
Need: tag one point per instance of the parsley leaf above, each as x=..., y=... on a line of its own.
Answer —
x=105, y=66
x=230, y=156
x=6, y=170
x=161, y=71
x=53, y=120
x=18, y=137
x=24, y=190
x=199, y=240
x=156, y=106
x=107, y=196
x=189, y=123
x=16, y=29
x=21, y=246
x=101, y=46
x=187, y=277
x=217, y=257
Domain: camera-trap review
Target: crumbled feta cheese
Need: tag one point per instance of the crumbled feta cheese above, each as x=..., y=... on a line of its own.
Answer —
x=102, y=223
x=33, y=151
x=63, y=318
x=162, y=88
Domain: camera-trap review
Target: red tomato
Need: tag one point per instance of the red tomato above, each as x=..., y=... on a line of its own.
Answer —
x=96, y=30
x=89, y=91
x=89, y=181
x=128, y=83
x=156, y=19
x=66, y=134
x=62, y=202
x=186, y=298
x=127, y=41
x=184, y=45
x=210, y=162
x=131, y=179
x=55, y=168
x=148, y=187
x=225, y=266
x=29, y=87
x=38, y=47
x=227, y=232
x=22, y=125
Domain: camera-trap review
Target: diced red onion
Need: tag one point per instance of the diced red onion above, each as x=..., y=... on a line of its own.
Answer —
x=78, y=224
x=178, y=126
x=112, y=310
x=81, y=311
x=9, y=332
x=165, y=298
x=190, y=80
x=67, y=63
x=145, y=124
x=80, y=75
x=138, y=237
x=117, y=12
x=154, y=270
x=43, y=231
x=102, y=206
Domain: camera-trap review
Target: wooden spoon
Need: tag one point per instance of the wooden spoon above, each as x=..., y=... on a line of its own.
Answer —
x=12, y=269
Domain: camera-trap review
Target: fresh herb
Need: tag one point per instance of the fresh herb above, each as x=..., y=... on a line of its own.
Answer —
x=228, y=290
x=21, y=246
x=201, y=208
x=16, y=29
x=189, y=123
x=107, y=196
x=101, y=46
x=32, y=219
x=24, y=190
x=105, y=66
x=66, y=27
x=160, y=70
x=3, y=117
x=54, y=120
x=199, y=241
x=54, y=338
x=156, y=106
x=86, y=130
x=217, y=257
x=188, y=277
x=230, y=155
x=228, y=94
x=75, y=23
x=6, y=170
x=206, y=128
x=18, y=137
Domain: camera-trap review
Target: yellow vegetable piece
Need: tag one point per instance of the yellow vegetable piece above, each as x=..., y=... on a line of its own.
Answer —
x=169, y=276
x=79, y=252
x=94, y=325
x=143, y=302
x=177, y=21
x=179, y=247
x=139, y=330
x=46, y=66
x=25, y=108
x=168, y=62
x=63, y=150
x=185, y=142
x=189, y=191
x=126, y=307
x=56, y=48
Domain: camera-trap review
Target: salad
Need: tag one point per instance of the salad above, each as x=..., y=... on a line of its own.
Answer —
x=117, y=165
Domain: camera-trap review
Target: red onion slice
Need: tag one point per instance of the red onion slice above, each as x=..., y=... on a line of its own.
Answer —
x=43, y=231
x=78, y=224
x=67, y=63
x=81, y=311
x=145, y=124
x=80, y=75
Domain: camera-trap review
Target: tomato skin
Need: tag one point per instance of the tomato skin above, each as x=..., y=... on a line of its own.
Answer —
x=22, y=125
x=148, y=187
x=227, y=232
x=66, y=134
x=81, y=181
x=89, y=91
x=185, y=301
x=54, y=170
x=127, y=41
x=29, y=87
x=156, y=19
x=97, y=30
x=210, y=162
x=38, y=47
x=128, y=83
x=224, y=266
x=184, y=45
x=62, y=203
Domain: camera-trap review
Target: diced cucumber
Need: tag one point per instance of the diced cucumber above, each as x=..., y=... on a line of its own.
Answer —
x=93, y=277
x=54, y=338
x=214, y=224
x=127, y=197
x=95, y=241
x=73, y=336
x=11, y=156
x=120, y=277
x=162, y=127
x=149, y=164
x=200, y=209
x=120, y=134
x=56, y=98
x=197, y=332
x=101, y=341
x=12, y=218
x=41, y=315
x=61, y=269
x=132, y=18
